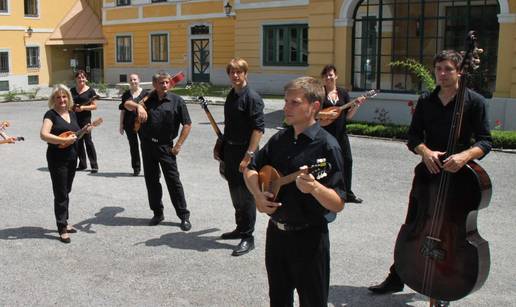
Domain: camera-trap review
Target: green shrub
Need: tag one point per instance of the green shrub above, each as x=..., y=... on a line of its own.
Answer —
x=504, y=139
x=419, y=70
x=501, y=139
x=11, y=96
x=199, y=89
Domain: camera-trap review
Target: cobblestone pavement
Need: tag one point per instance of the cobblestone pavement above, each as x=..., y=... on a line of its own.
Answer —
x=116, y=260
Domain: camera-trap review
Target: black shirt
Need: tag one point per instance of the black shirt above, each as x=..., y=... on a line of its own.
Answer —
x=431, y=123
x=243, y=113
x=163, y=118
x=82, y=99
x=59, y=125
x=338, y=127
x=130, y=116
x=286, y=154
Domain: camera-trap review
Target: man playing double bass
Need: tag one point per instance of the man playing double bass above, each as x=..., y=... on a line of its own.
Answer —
x=429, y=133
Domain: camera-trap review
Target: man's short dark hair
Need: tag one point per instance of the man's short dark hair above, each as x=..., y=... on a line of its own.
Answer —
x=448, y=55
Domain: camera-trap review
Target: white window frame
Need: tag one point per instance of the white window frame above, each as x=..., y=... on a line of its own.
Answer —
x=168, y=47
x=9, y=64
x=122, y=5
x=116, y=47
x=39, y=57
x=8, y=12
x=37, y=16
x=283, y=23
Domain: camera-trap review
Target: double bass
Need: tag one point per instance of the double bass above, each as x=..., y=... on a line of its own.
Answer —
x=440, y=253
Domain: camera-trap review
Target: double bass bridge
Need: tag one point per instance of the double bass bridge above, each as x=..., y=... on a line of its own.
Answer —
x=432, y=249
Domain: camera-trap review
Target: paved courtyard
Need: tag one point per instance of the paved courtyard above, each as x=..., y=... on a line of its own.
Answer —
x=117, y=260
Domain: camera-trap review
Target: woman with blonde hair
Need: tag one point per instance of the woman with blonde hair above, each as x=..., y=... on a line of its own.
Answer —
x=61, y=161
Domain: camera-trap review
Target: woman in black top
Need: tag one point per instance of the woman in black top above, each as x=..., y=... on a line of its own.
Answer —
x=82, y=95
x=127, y=118
x=337, y=96
x=61, y=161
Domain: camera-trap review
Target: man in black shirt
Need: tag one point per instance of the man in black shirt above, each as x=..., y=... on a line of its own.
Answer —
x=429, y=132
x=161, y=116
x=297, y=251
x=243, y=129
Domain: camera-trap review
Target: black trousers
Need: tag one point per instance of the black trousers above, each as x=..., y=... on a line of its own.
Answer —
x=348, y=163
x=90, y=149
x=242, y=199
x=298, y=260
x=132, y=137
x=154, y=156
x=62, y=174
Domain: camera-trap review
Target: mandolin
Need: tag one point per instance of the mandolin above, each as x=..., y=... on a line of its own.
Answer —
x=175, y=79
x=77, y=105
x=9, y=139
x=81, y=132
x=218, y=150
x=12, y=140
x=270, y=180
x=330, y=114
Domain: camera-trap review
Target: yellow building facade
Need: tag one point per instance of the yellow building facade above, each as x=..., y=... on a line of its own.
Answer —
x=34, y=48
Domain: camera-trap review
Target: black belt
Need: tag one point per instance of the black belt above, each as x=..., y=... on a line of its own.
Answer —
x=288, y=227
x=157, y=141
x=236, y=143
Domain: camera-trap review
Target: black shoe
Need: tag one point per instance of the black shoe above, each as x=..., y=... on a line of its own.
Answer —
x=156, y=219
x=391, y=284
x=81, y=168
x=65, y=239
x=235, y=234
x=185, y=225
x=246, y=245
x=354, y=199
x=94, y=170
x=136, y=172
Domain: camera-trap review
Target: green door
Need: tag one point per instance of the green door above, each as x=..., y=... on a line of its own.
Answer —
x=200, y=60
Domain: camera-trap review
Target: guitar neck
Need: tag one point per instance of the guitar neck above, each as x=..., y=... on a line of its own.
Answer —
x=213, y=123
x=289, y=178
x=81, y=132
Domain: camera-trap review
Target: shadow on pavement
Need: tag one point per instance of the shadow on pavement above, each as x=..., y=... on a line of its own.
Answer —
x=43, y=169
x=112, y=174
x=107, y=217
x=274, y=119
x=27, y=232
x=192, y=240
x=359, y=296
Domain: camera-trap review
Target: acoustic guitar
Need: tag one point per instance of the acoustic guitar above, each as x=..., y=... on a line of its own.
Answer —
x=218, y=150
x=270, y=180
x=330, y=114
x=175, y=79
x=81, y=132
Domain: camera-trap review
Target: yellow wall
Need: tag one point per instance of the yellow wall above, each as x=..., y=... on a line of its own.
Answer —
x=159, y=11
x=222, y=42
x=320, y=35
x=202, y=8
x=122, y=13
x=248, y=30
x=506, y=66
